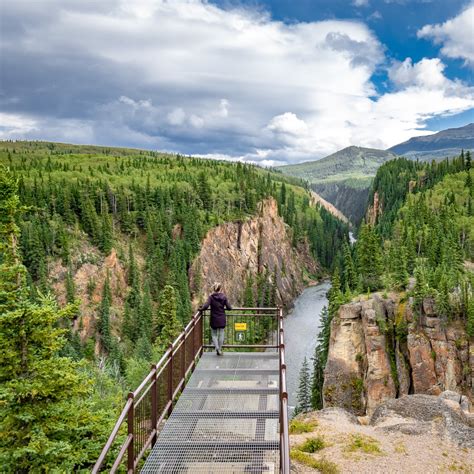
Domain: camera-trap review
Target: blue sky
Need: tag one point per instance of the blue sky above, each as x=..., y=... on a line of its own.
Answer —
x=394, y=22
x=268, y=81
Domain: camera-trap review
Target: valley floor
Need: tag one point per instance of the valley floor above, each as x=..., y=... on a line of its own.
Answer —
x=363, y=449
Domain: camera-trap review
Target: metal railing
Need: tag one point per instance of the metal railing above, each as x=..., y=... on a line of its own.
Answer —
x=284, y=426
x=152, y=401
x=254, y=329
x=249, y=329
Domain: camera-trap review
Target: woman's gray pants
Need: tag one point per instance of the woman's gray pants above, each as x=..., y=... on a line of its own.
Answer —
x=218, y=338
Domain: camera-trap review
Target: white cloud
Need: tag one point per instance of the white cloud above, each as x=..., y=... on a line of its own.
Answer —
x=375, y=16
x=427, y=73
x=224, y=108
x=456, y=35
x=198, y=79
x=288, y=123
x=176, y=116
x=360, y=3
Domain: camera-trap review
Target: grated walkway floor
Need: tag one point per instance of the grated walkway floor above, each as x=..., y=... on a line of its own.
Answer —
x=226, y=419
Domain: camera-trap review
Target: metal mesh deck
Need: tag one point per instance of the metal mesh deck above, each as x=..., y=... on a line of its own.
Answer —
x=225, y=421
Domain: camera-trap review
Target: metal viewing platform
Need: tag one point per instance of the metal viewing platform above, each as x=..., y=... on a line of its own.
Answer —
x=197, y=412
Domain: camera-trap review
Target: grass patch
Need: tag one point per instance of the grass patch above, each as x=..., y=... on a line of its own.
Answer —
x=322, y=465
x=365, y=444
x=311, y=445
x=400, y=448
x=298, y=427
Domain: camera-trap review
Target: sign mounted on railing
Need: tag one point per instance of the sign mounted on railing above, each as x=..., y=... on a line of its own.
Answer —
x=240, y=334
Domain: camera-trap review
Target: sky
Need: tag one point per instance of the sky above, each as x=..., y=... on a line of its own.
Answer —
x=268, y=81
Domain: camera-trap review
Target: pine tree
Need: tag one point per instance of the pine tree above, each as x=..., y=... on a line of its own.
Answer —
x=470, y=318
x=70, y=288
x=369, y=258
x=46, y=417
x=106, y=237
x=317, y=379
x=248, y=298
x=304, y=389
x=104, y=317
x=166, y=326
x=350, y=277
x=399, y=265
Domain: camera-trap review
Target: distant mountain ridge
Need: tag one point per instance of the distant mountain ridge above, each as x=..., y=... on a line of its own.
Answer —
x=344, y=177
x=445, y=143
x=350, y=162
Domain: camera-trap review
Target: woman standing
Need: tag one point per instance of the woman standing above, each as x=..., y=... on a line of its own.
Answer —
x=218, y=303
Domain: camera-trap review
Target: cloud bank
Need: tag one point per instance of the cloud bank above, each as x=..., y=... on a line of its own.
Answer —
x=190, y=77
x=455, y=35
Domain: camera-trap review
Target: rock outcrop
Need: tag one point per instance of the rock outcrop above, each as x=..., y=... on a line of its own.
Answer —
x=380, y=350
x=418, y=414
x=258, y=247
x=416, y=433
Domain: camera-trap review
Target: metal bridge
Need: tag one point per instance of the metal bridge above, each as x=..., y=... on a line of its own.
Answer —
x=197, y=412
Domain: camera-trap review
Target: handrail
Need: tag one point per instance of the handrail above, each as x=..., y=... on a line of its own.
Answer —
x=284, y=435
x=156, y=371
x=152, y=401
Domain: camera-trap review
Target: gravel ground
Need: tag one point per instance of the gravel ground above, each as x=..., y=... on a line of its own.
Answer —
x=400, y=453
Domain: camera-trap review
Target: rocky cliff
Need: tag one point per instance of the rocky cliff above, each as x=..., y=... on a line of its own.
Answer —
x=260, y=247
x=379, y=349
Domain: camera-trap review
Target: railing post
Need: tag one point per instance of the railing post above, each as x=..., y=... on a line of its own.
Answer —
x=183, y=358
x=131, y=446
x=193, y=340
x=154, y=405
x=170, y=379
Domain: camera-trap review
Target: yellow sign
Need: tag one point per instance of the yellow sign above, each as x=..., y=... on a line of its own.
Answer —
x=240, y=326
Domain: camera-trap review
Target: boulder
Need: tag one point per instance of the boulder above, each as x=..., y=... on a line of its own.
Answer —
x=418, y=414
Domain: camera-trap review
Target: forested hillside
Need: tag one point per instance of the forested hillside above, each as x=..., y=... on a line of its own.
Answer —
x=416, y=250
x=343, y=178
x=107, y=238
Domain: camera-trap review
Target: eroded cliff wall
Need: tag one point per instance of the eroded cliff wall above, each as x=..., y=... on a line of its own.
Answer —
x=379, y=349
x=258, y=247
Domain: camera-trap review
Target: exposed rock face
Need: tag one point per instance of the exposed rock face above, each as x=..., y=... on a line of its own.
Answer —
x=258, y=246
x=374, y=210
x=418, y=414
x=89, y=282
x=317, y=199
x=379, y=350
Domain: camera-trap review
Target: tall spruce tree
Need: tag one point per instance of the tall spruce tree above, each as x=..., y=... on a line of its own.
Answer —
x=304, y=389
x=46, y=418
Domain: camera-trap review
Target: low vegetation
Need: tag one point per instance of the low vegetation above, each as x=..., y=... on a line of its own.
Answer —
x=312, y=445
x=298, y=426
x=321, y=464
x=363, y=443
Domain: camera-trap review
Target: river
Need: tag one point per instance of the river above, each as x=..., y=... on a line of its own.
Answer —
x=301, y=330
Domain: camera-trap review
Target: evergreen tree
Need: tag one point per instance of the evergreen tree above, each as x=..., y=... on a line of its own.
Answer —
x=46, y=419
x=470, y=318
x=104, y=317
x=304, y=389
x=70, y=288
x=369, y=258
x=167, y=327
x=106, y=238
x=350, y=277
x=248, y=297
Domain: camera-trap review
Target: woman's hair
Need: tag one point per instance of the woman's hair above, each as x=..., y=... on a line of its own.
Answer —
x=216, y=287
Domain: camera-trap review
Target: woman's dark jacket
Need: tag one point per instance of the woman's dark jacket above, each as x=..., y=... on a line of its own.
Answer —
x=218, y=303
